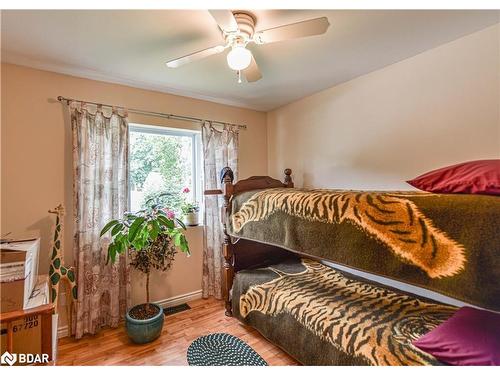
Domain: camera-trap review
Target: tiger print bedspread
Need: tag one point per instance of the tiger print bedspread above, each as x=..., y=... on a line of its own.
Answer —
x=446, y=243
x=326, y=317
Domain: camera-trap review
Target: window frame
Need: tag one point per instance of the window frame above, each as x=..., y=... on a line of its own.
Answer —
x=197, y=163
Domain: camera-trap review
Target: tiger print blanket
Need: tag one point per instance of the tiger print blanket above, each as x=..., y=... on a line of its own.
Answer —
x=446, y=243
x=322, y=316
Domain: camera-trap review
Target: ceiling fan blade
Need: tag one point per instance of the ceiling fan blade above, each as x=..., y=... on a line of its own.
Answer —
x=252, y=73
x=315, y=26
x=195, y=56
x=225, y=19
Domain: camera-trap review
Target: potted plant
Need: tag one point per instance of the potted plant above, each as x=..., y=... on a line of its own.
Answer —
x=151, y=237
x=190, y=211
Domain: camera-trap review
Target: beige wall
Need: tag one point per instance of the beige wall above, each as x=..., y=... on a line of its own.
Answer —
x=376, y=131
x=37, y=165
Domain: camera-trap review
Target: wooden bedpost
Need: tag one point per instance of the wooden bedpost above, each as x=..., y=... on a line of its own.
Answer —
x=227, y=251
x=288, y=178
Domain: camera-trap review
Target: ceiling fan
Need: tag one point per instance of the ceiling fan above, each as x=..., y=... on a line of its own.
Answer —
x=238, y=30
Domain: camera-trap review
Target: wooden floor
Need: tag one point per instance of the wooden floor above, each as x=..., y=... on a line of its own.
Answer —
x=112, y=347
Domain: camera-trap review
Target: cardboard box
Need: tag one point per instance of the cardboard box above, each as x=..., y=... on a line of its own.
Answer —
x=27, y=337
x=12, y=295
x=18, y=273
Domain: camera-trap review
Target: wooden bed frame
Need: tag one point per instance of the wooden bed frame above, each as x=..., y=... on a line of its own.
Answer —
x=244, y=254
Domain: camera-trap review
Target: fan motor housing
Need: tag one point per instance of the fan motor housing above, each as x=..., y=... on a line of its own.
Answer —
x=246, y=24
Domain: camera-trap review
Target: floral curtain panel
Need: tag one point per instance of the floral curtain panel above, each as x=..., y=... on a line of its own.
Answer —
x=220, y=149
x=100, y=186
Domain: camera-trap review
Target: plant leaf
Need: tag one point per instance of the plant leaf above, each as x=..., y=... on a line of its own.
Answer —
x=155, y=230
x=181, y=223
x=119, y=247
x=135, y=228
x=166, y=221
x=177, y=239
x=108, y=226
x=111, y=253
x=184, y=245
x=117, y=228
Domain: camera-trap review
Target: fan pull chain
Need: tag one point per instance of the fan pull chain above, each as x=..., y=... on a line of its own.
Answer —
x=239, y=76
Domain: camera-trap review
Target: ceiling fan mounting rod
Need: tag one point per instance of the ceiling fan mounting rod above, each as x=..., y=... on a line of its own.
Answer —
x=245, y=32
x=246, y=24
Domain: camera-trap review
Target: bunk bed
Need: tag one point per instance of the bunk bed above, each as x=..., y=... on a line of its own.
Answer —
x=276, y=236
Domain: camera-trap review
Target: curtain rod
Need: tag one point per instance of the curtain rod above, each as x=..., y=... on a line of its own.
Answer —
x=150, y=113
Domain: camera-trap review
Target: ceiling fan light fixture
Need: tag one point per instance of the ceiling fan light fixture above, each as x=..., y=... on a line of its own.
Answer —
x=239, y=58
x=238, y=30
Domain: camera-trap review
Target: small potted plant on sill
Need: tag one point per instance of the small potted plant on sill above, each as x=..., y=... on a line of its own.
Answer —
x=190, y=211
x=151, y=237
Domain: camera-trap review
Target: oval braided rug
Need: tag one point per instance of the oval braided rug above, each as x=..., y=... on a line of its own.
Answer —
x=222, y=349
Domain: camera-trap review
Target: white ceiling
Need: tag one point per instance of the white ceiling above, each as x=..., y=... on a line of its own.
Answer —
x=131, y=47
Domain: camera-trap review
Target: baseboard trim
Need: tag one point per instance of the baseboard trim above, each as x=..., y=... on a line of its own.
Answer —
x=168, y=302
x=62, y=332
x=180, y=299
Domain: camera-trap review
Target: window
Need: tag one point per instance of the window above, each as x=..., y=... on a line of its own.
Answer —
x=162, y=162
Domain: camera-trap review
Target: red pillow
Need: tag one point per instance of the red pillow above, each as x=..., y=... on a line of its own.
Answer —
x=471, y=337
x=472, y=177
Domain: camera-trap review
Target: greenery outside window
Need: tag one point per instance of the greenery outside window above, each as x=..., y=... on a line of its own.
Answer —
x=164, y=160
